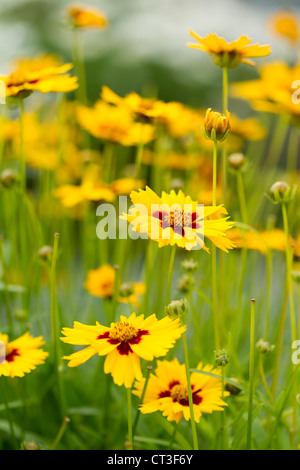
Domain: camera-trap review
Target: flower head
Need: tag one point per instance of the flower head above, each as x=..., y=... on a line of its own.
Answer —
x=44, y=74
x=229, y=54
x=286, y=24
x=100, y=283
x=21, y=355
x=175, y=219
x=83, y=16
x=216, y=125
x=167, y=391
x=124, y=343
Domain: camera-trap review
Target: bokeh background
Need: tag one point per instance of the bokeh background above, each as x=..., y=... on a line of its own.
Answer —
x=144, y=47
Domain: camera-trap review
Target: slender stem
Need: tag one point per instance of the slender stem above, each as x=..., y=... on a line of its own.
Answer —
x=170, y=272
x=214, y=256
x=79, y=65
x=223, y=413
x=138, y=413
x=139, y=155
x=242, y=197
x=215, y=172
x=224, y=153
x=6, y=292
x=251, y=374
x=22, y=152
x=289, y=269
x=8, y=413
x=269, y=259
x=130, y=433
x=60, y=433
x=190, y=395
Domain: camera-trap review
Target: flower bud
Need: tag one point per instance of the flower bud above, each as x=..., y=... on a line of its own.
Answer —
x=222, y=358
x=296, y=276
x=216, y=125
x=45, y=252
x=264, y=347
x=232, y=389
x=189, y=265
x=8, y=177
x=185, y=284
x=21, y=314
x=31, y=445
x=126, y=289
x=237, y=161
x=177, y=308
x=281, y=192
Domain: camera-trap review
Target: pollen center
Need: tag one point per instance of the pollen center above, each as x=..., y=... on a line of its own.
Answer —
x=123, y=331
x=179, y=393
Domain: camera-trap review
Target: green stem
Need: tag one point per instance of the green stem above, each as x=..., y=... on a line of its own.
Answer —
x=170, y=272
x=242, y=198
x=251, y=374
x=138, y=413
x=22, y=152
x=60, y=433
x=130, y=431
x=190, y=395
x=6, y=292
x=139, y=155
x=8, y=413
x=215, y=172
x=224, y=153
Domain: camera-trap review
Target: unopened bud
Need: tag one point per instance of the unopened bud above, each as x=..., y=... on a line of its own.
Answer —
x=237, y=161
x=222, y=358
x=177, y=308
x=31, y=445
x=281, y=192
x=185, y=283
x=189, y=265
x=231, y=388
x=264, y=347
x=8, y=178
x=216, y=125
x=45, y=252
x=126, y=289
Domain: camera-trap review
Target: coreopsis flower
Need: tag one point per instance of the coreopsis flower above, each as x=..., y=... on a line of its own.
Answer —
x=145, y=109
x=274, y=239
x=44, y=73
x=115, y=124
x=173, y=160
x=229, y=54
x=167, y=391
x=100, y=283
x=286, y=24
x=21, y=355
x=175, y=219
x=72, y=195
x=274, y=91
x=216, y=125
x=83, y=16
x=124, y=343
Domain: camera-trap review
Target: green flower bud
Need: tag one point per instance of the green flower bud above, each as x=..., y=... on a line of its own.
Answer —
x=126, y=289
x=31, y=445
x=281, y=192
x=45, y=252
x=189, y=265
x=185, y=283
x=264, y=347
x=8, y=178
x=237, y=161
x=232, y=389
x=222, y=358
x=296, y=276
x=230, y=60
x=177, y=308
x=216, y=125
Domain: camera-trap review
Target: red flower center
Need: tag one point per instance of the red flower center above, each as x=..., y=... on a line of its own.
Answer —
x=124, y=334
x=179, y=394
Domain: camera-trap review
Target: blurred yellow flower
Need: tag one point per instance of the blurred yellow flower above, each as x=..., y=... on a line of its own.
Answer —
x=229, y=54
x=286, y=24
x=100, y=283
x=83, y=16
x=114, y=124
x=260, y=241
x=44, y=73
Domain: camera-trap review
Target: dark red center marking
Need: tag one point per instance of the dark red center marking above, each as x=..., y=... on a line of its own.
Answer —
x=11, y=356
x=124, y=347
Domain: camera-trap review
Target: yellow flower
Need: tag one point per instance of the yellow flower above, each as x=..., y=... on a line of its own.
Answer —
x=114, y=124
x=124, y=186
x=286, y=24
x=71, y=195
x=229, y=54
x=216, y=125
x=21, y=355
x=145, y=109
x=83, y=16
x=124, y=343
x=174, y=160
x=167, y=391
x=273, y=91
x=100, y=283
x=44, y=73
x=174, y=219
x=260, y=241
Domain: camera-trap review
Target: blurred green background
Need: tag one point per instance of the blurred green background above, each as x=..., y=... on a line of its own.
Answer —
x=144, y=47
